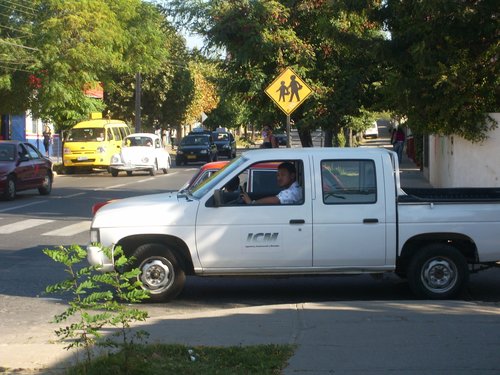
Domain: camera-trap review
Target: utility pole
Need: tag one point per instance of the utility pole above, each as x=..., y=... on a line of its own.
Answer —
x=138, y=102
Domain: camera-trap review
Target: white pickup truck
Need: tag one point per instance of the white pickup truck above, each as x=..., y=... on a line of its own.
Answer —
x=354, y=218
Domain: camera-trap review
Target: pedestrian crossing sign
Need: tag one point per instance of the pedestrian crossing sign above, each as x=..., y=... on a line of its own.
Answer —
x=288, y=91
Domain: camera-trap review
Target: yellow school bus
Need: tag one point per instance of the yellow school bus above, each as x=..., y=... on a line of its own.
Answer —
x=90, y=144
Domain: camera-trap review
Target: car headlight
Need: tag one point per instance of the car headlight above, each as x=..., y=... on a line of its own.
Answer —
x=101, y=150
x=204, y=152
x=180, y=152
x=67, y=150
x=95, y=236
x=116, y=159
x=225, y=146
x=145, y=160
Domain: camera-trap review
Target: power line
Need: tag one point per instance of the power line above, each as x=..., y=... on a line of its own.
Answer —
x=19, y=45
x=14, y=62
x=15, y=69
x=14, y=29
x=20, y=5
x=16, y=10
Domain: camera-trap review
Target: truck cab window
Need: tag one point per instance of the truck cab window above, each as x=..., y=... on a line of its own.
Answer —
x=348, y=181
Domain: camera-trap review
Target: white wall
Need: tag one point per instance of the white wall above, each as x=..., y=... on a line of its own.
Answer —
x=456, y=162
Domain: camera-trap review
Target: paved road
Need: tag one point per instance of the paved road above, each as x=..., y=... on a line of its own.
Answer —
x=32, y=223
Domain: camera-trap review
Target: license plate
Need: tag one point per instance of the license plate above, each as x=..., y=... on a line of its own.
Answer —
x=82, y=158
x=191, y=156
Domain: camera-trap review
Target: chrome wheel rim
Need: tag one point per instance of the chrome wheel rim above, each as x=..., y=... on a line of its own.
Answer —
x=157, y=274
x=439, y=275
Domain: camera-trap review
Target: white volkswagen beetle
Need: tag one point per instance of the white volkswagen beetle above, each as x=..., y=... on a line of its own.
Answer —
x=140, y=152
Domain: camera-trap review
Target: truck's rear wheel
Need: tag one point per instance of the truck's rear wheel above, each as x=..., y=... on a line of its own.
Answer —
x=161, y=273
x=438, y=272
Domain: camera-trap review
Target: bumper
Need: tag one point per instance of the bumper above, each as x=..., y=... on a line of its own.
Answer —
x=225, y=152
x=91, y=161
x=193, y=157
x=97, y=258
x=131, y=167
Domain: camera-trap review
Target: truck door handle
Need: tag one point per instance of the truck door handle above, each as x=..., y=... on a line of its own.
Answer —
x=297, y=221
x=370, y=221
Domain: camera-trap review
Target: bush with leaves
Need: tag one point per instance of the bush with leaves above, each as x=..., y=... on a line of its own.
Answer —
x=97, y=300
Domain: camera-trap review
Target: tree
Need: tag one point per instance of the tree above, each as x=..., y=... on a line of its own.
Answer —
x=329, y=44
x=81, y=43
x=444, y=74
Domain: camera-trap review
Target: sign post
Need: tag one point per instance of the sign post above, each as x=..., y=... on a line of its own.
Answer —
x=288, y=92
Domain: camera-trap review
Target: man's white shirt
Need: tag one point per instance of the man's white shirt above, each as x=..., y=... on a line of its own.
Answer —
x=291, y=195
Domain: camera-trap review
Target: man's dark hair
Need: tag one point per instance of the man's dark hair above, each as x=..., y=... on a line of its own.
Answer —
x=290, y=167
x=233, y=184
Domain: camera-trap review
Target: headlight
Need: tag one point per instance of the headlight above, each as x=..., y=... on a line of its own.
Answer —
x=203, y=152
x=116, y=159
x=101, y=150
x=180, y=152
x=145, y=160
x=94, y=236
x=67, y=150
x=225, y=146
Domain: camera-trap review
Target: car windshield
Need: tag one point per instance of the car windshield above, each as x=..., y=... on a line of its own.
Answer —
x=220, y=136
x=86, y=135
x=7, y=152
x=209, y=184
x=137, y=141
x=194, y=140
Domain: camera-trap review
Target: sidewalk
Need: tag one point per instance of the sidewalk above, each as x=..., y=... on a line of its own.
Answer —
x=411, y=175
x=351, y=337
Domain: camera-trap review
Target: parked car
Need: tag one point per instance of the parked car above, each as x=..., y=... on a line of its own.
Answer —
x=23, y=167
x=140, y=152
x=281, y=139
x=195, y=148
x=226, y=144
x=372, y=131
x=204, y=173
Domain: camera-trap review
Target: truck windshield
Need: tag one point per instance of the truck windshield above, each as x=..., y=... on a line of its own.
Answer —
x=209, y=185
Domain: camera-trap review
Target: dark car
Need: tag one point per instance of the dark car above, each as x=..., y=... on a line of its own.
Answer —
x=23, y=167
x=226, y=144
x=281, y=139
x=196, y=147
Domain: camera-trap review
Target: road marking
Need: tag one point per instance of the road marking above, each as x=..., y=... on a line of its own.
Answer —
x=22, y=206
x=70, y=230
x=22, y=225
x=72, y=195
x=146, y=180
x=111, y=187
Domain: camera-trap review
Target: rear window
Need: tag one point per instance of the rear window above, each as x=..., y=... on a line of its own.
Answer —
x=194, y=140
x=7, y=152
x=348, y=181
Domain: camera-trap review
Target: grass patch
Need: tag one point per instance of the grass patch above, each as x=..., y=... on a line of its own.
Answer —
x=179, y=359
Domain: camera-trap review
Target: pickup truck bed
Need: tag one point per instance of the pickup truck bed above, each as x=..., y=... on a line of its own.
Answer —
x=462, y=195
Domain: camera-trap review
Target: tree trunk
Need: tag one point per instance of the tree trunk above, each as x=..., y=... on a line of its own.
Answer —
x=305, y=137
x=328, y=142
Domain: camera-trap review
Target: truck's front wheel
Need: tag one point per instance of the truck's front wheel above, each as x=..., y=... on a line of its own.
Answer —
x=161, y=273
x=438, y=272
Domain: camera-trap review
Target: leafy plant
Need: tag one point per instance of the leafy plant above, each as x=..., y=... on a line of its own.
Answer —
x=97, y=300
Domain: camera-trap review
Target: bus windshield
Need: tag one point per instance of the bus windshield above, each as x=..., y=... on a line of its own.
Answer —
x=86, y=135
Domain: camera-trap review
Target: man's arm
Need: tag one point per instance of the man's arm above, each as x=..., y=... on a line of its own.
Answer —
x=266, y=200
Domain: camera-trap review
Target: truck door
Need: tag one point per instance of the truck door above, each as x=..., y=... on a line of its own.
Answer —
x=349, y=214
x=260, y=237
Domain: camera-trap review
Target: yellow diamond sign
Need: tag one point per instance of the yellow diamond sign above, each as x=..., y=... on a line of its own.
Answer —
x=288, y=91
